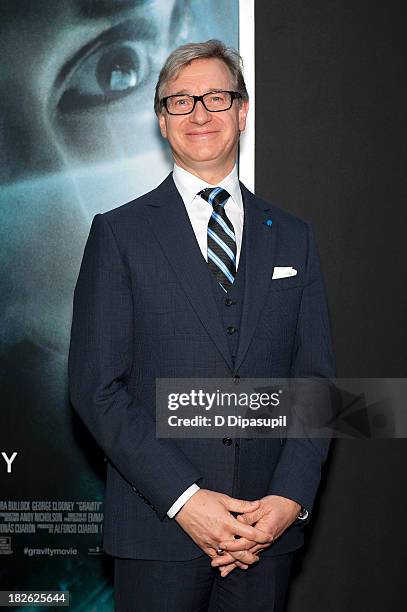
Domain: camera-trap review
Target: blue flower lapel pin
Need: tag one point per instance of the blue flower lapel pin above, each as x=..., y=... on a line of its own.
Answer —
x=269, y=222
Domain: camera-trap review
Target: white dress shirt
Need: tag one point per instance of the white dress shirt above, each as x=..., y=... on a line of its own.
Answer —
x=199, y=212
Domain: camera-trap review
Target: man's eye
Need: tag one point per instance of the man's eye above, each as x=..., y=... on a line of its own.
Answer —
x=217, y=98
x=108, y=73
x=182, y=102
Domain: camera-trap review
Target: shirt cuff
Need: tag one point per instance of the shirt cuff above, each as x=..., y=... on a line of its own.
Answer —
x=182, y=499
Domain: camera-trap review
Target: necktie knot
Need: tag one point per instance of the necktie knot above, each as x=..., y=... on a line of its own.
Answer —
x=216, y=196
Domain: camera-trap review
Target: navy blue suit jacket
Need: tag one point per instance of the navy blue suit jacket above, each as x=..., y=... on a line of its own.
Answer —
x=144, y=308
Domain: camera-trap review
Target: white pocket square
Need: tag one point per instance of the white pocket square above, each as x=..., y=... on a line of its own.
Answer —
x=284, y=272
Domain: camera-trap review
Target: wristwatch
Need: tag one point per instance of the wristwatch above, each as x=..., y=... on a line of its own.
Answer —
x=303, y=514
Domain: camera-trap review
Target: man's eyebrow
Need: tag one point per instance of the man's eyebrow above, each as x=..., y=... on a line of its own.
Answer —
x=186, y=92
x=182, y=92
x=96, y=9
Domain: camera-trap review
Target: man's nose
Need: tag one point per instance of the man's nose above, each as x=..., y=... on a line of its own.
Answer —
x=200, y=114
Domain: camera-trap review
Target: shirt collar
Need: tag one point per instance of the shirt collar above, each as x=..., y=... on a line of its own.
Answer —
x=189, y=185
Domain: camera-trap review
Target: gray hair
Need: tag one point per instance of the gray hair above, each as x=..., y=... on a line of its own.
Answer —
x=184, y=55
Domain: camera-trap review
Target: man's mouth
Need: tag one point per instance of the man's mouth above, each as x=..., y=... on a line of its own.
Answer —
x=202, y=133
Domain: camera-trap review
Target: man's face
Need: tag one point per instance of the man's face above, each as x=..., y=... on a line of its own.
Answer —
x=204, y=140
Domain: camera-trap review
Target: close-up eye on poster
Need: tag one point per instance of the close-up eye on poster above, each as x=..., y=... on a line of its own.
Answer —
x=202, y=306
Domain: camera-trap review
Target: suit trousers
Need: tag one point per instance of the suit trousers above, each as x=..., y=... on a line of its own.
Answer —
x=194, y=586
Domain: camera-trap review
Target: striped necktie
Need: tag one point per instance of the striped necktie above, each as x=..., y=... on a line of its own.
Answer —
x=221, y=238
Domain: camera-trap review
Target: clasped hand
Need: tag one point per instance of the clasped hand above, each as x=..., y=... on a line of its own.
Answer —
x=206, y=518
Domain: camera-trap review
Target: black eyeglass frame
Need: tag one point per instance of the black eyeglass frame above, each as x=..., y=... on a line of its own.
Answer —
x=234, y=95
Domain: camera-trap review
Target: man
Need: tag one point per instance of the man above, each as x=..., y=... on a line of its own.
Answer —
x=181, y=283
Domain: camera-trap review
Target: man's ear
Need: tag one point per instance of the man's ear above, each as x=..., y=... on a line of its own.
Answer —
x=163, y=125
x=243, y=110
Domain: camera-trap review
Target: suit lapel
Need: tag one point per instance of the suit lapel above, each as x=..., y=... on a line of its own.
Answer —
x=261, y=241
x=171, y=225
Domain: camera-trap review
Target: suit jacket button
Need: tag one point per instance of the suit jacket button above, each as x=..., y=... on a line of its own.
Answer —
x=236, y=379
x=229, y=302
x=227, y=441
x=231, y=329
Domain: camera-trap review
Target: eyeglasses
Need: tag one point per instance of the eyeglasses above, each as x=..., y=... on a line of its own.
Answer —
x=213, y=101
